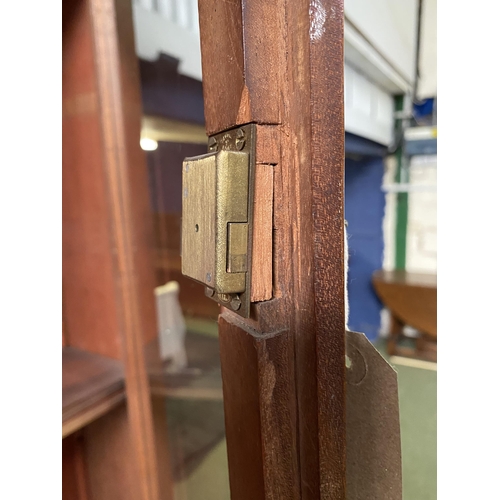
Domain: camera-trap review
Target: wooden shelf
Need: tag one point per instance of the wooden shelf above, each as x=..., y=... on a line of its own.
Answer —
x=92, y=385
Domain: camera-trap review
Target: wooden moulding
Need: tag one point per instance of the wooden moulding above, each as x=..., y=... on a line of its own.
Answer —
x=262, y=243
x=267, y=156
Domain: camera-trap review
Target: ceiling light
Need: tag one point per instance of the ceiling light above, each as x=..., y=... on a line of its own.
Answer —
x=148, y=144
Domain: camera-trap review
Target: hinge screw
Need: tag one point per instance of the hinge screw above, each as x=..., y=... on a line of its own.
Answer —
x=240, y=139
x=235, y=303
x=224, y=297
x=212, y=144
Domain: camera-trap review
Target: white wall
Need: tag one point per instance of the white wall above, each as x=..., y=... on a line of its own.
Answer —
x=389, y=221
x=421, y=236
x=391, y=27
x=368, y=108
x=360, y=54
x=171, y=27
x=427, y=86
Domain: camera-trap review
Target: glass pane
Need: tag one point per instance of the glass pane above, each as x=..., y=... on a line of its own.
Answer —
x=188, y=378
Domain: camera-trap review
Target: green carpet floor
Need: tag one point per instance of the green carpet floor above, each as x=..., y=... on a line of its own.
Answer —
x=418, y=416
x=418, y=407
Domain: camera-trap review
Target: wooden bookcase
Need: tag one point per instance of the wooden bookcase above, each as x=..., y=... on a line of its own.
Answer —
x=113, y=434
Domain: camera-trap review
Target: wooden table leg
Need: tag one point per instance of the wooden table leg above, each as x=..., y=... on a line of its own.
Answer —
x=394, y=335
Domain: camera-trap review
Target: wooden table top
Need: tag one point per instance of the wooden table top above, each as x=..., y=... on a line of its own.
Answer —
x=411, y=297
x=399, y=277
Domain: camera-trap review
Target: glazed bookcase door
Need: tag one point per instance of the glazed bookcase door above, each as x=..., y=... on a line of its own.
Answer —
x=185, y=399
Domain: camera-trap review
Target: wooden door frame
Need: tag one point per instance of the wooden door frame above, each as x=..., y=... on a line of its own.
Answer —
x=280, y=65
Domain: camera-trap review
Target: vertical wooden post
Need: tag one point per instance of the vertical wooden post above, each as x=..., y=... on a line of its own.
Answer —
x=120, y=105
x=280, y=65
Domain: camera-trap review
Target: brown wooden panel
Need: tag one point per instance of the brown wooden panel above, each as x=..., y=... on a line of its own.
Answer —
x=241, y=391
x=262, y=42
x=280, y=415
x=74, y=473
x=222, y=62
x=296, y=152
x=85, y=375
x=88, y=245
x=132, y=172
x=64, y=328
x=261, y=413
x=162, y=449
x=87, y=266
x=267, y=147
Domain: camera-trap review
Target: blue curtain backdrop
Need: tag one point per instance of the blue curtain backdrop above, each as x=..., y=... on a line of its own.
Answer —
x=364, y=211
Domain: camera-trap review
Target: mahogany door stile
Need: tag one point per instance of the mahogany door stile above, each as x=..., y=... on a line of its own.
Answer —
x=280, y=65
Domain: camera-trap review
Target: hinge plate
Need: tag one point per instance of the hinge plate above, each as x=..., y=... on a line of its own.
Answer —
x=217, y=217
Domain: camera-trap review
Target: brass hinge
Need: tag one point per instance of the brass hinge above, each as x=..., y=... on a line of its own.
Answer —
x=217, y=212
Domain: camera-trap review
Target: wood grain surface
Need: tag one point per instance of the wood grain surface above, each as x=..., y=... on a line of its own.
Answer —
x=327, y=169
x=282, y=65
x=74, y=471
x=87, y=265
x=238, y=49
x=262, y=242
